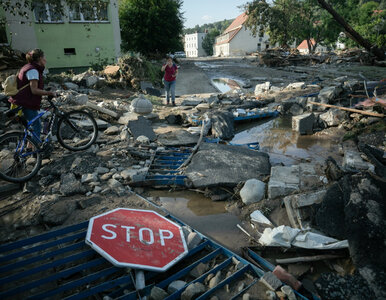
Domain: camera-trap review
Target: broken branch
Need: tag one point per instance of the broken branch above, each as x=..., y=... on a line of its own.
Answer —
x=373, y=114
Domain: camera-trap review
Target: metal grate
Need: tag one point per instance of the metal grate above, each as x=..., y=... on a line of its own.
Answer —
x=59, y=265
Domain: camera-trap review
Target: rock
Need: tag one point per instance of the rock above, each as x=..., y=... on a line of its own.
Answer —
x=174, y=119
x=141, y=105
x=177, y=138
x=283, y=181
x=141, y=126
x=199, y=270
x=71, y=86
x=114, y=184
x=194, y=239
x=253, y=191
x=287, y=290
x=329, y=94
x=262, y=88
x=333, y=117
x=143, y=140
x=69, y=185
x=304, y=123
x=203, y=107
x=176, y=286
x=223, y=125
x=128, y=174
x=153, y=92
x=87, y=178
x=193, y=291
x=94, y=93
x=333, y=171
x=247, y=84
x=215, y=280
x=217, y=165
x=91, y=80
x=127, y=117
x=101, y=170
x=101, y=124
x=80, y=99
x=158, y=294
x=56, y=212
x=296, y=85
x=112, y=130
x=353, y=161
x=191, y=102
x=246, y=296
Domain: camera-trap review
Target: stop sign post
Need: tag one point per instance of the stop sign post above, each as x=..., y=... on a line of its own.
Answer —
x=135, y=238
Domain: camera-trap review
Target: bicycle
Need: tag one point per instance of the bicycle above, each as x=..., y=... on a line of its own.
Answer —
x=21, y=152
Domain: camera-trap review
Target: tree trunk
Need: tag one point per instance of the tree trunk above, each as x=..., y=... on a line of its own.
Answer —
x=352, y=33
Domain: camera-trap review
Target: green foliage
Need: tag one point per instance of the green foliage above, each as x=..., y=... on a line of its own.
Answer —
x=219, y=26
x=288, y=21
x=153, y=72
x=207, y=43
x=151, y=27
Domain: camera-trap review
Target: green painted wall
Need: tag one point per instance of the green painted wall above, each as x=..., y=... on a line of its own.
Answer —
x=85, y=38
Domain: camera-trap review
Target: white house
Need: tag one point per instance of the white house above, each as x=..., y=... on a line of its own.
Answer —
x=237, y=40
x=193, y=44
x=303, y=47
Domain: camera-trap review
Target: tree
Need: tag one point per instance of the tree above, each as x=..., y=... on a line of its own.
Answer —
x=207, y=43
x=353, y=34
x=151, y=27
x=288, y=21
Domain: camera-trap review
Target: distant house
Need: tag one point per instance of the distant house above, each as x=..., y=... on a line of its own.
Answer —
x=83, y=36
x=303, y=47
x=193, y=45
x=237, y=40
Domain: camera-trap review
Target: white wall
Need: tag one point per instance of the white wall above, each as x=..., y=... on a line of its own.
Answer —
x=244, y=42
x=116, y=27
x=193, y=45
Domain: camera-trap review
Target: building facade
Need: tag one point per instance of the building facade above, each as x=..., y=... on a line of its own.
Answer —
x=237, y=40
x=303, y=47
x=84, y=35
x=193, y=44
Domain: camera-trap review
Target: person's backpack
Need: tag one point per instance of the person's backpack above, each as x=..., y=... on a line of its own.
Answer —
x=10, y=86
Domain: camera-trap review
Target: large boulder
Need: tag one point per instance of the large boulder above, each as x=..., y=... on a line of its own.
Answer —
x=303, y=124
x=216, y=164
x=253, y=191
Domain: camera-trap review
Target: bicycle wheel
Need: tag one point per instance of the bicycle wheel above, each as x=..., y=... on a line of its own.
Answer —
x=77, y=130
x=20, y=159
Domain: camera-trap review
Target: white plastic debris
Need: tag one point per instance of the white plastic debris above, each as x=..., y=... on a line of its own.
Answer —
x=257, y=216
x=285, y=236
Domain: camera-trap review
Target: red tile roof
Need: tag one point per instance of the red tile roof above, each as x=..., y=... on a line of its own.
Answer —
x=304, y=45
x=239, y=21
x=234, y=28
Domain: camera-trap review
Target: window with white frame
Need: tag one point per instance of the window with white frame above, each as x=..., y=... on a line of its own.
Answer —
x=89, y=12
x=47, y=13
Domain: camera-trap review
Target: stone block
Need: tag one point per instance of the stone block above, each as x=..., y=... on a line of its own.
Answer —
x=283, y=181
x=193, y=291
x=353, y=160
x=262, y=88
x=304, y=123
x=329, y=94
x=333, y=117
x=176, y=286
x=158, y=294
x=270, y=281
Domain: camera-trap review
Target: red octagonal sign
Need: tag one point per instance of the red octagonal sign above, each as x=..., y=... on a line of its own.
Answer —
x=137, y=238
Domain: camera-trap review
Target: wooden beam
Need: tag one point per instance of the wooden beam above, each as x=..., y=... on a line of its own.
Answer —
x=306, y=258
x=363, y=112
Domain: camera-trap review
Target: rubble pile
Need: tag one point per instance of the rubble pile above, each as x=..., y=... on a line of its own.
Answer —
x=10, y=58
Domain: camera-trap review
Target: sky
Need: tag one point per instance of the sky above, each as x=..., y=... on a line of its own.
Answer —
x=209, y=11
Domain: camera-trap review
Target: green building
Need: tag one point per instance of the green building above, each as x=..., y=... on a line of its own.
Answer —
x=83, y=35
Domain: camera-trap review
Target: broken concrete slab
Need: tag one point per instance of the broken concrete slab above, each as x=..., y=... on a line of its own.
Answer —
x=216, y=164
x=178, y=138
x=283, y=181
x=353, y=161
x=141, y=126
x=329, y=94
x=303, y=124
x=191, y=102
x=223, y=125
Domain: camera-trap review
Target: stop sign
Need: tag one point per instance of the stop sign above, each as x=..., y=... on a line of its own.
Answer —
x=137, y=238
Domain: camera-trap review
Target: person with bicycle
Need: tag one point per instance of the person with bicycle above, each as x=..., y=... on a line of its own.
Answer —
x=30, y=97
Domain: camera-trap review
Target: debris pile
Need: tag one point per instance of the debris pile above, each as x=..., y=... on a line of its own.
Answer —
x=10, y=59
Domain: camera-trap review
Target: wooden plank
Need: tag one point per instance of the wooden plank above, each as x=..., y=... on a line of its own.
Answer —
x=103, y=110
x=306, y=259
x=363, y=112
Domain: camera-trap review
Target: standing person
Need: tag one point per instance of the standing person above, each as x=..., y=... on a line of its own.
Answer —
x=30, y=97
x=170, y=76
